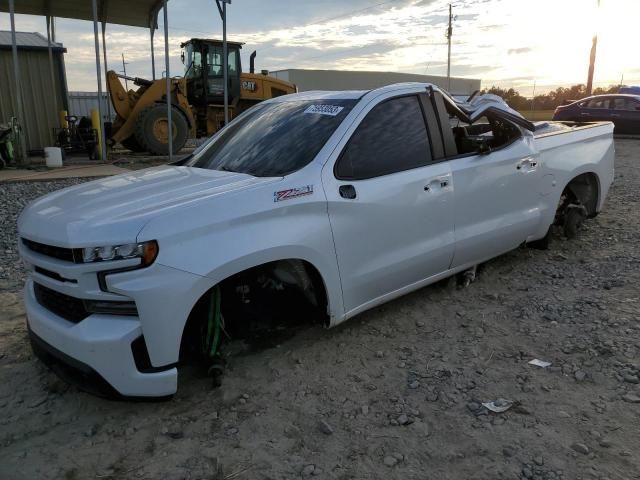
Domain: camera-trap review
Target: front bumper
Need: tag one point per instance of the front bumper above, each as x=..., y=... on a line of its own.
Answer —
x=99, y=344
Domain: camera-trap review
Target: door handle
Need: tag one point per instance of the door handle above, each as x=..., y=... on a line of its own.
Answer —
x=347, y=191
x=615, y=115
x=437, y=183
x=530, y=162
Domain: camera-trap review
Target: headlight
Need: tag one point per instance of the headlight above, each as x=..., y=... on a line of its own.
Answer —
x=146, y=251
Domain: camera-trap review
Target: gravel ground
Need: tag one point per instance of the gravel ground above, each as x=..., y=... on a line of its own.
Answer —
x=395, y=393
x=13, y=198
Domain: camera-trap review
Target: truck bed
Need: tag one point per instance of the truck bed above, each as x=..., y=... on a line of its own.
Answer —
x=548, y=128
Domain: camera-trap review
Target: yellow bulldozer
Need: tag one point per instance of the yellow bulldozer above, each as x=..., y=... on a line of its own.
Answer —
x=197, y=98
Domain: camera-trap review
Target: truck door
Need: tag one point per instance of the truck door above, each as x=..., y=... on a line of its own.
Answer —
x=390, y=203
x=496, y=172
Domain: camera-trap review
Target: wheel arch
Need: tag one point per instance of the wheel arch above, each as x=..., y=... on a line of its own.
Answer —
x=247, y=264
x=586, y=187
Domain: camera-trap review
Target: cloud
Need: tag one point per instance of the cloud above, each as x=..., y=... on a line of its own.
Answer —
x=517, y=51
x=495, y=40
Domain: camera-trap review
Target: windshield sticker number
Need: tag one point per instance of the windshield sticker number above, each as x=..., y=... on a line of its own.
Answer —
x=292, y=193
x=331, y=110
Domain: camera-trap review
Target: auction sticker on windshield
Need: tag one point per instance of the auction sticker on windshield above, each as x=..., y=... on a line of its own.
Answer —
x=331, y=110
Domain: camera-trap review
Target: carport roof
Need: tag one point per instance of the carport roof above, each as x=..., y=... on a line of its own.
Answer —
x=135, y=13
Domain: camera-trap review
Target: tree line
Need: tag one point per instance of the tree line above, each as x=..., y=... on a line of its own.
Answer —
x=547, y=101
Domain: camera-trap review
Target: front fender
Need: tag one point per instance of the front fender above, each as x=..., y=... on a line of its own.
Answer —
x=328, y=274
x=227, y=234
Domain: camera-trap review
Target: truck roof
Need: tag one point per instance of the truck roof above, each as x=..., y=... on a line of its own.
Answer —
x=347, y=94
x=321, y=94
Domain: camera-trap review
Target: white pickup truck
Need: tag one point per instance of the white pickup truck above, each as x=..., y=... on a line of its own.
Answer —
x=349, y=199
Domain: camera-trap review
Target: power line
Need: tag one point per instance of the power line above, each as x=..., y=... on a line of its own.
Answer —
x=348, y=14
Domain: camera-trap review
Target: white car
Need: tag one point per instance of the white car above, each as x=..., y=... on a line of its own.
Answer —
x=349, y=198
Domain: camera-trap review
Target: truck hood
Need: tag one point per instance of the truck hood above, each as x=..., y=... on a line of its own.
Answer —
x=114, y=210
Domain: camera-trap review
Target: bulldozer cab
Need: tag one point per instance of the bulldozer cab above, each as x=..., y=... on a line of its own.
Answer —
x=204, y=71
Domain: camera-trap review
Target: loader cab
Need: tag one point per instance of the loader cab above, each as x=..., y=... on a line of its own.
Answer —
x=204, y=73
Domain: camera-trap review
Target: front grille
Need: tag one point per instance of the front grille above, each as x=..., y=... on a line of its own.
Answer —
x=49, y=250
x=69, y=308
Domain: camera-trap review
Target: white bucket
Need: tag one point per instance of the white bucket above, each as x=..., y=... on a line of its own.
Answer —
x=53, y=157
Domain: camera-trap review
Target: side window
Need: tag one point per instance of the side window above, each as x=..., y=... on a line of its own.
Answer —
x=599, y=103
x=391, y=138
x=618, y=103
x=625, y=104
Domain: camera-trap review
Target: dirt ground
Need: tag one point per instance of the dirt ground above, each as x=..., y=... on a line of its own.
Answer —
x=395, y=393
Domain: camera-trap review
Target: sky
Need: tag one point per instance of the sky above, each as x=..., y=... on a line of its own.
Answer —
x=524, y=44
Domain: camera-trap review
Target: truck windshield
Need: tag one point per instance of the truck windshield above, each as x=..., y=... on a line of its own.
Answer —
x=273, y=139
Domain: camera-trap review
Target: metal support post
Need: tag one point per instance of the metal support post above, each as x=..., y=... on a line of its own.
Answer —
x=18, y=91
x=449, y=35
x=106, y=68
x=51, y=71
x=153, y=57
x=225, y=56
x=103, y=143
x=166, y=66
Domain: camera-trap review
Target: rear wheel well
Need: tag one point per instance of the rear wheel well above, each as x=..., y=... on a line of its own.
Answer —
x=579, y=200
x=274, y=296
x=584, y=189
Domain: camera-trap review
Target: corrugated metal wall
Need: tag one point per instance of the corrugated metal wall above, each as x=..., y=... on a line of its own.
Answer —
x=42, y=100
x=81, y=104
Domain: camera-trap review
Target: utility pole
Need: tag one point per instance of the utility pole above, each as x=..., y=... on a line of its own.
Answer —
x=533, y=98
x=592, y=59
x=222, y=8
x=124, y=71
x=449, y=35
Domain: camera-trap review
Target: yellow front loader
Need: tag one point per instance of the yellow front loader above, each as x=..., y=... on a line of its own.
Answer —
x=197, y=99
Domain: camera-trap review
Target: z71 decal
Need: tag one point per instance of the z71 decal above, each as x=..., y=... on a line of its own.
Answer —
x=292, y=193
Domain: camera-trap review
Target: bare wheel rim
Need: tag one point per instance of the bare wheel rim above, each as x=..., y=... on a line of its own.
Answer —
x=161, y=131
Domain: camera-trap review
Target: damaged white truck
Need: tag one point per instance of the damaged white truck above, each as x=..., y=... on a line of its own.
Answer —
x=339, y=201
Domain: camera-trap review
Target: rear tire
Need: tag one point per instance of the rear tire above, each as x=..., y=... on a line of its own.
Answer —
x=151, y=129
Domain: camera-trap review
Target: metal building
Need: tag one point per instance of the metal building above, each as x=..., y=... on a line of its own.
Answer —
x=82, y=103
x=42, y=101
x=364, y=80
